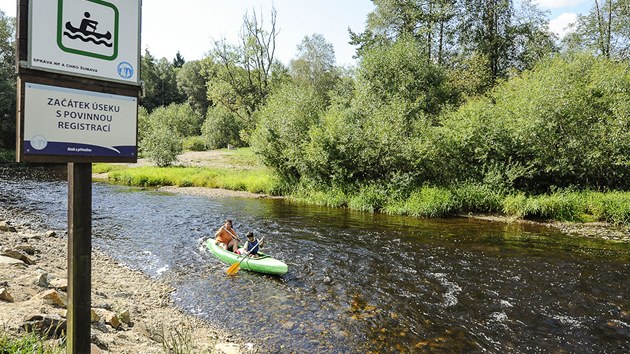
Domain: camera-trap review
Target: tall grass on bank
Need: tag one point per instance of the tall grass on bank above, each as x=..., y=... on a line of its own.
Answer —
x=428, y=201
x=255, y=181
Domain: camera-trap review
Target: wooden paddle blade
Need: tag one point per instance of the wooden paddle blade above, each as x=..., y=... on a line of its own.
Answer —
x=233, y=268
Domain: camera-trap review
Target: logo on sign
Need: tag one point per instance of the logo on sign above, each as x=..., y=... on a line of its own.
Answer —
x=125, y=70
x=90, y=29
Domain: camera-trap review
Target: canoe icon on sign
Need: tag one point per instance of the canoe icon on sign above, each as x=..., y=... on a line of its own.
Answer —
x=89, y=28
x=87, y=32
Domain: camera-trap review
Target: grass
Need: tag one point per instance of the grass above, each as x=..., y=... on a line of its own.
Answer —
x=244, y=180
x=29, y=343
x=235, y=170
x=431, y=202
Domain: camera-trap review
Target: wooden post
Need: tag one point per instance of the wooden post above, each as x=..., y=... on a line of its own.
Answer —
x=79, y=257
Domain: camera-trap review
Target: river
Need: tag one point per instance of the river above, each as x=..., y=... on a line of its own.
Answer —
x=359, y=282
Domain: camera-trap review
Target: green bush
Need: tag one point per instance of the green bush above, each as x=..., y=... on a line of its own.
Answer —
x=180, y=118
x=221, y=128
x=564, y=124
x=7, y=156
x=283, y=129
x=195, y=143
x=162, y=145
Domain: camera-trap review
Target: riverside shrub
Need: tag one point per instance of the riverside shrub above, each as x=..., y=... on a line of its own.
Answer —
x=564, y=124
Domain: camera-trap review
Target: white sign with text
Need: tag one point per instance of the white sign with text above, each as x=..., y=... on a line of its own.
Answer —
x=62, y=121
x=93, y=38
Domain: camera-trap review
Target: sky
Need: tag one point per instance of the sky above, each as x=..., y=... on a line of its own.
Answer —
x=191, y=26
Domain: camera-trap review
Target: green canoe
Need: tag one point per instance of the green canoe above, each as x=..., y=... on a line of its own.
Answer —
x=263, y=264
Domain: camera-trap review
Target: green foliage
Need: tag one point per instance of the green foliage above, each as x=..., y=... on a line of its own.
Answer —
x=376, y=133
x=255, y=181
x=283, y=128
x=180, y=118
x=163, y=130
x=221, y=127
x=98, y=168
x=563, y=124
x=7, y=155
x=475, y=197
x=195, y=143
x=604, y=30
x=143, y=123
x=331, y=197
x=159, y=82
x=192, y=81
x=245, y=72
x=162, y=145
x=368, y=198
x=7, y=82
x=29, y=343
x=315, y=64
x=612, y=207
x=424, y=202
x=400, y=72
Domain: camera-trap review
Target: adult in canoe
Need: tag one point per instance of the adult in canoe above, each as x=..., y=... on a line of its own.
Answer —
x=226, y=237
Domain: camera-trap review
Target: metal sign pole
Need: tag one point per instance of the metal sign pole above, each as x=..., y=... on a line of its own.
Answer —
x=79, y=257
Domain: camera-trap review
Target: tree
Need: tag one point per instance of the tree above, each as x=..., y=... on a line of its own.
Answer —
x=178, y=61
x=315, y=64
x=400, y=72
x=221, y=127
x=452, y=33
x=159, y=82
x=430, y=22
x=192, y=82
x=565, y=123
x=244, y=71
x=605, y=30
x=163, y=131
x=7, y=82
x=282, y=132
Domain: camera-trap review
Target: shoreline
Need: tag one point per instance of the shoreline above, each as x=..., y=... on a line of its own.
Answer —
x=593, y=230
x=135, y=312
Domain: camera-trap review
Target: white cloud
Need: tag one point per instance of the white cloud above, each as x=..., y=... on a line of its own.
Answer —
x=556, y=4
x=560, y=24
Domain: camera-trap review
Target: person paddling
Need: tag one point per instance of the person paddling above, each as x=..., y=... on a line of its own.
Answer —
x=253, y=245
x=226, y=237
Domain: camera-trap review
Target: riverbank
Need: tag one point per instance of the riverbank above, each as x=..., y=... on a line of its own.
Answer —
x=132, y=313
x=590, y=214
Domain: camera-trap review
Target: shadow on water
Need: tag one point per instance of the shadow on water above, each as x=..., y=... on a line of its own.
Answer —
x=361, y=282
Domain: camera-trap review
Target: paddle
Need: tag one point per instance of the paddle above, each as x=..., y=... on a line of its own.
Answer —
x=234, y=267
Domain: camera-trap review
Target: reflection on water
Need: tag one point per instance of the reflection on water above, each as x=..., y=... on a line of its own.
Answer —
x=360, y=282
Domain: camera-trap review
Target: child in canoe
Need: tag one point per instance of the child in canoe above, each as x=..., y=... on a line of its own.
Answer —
x=252, y=245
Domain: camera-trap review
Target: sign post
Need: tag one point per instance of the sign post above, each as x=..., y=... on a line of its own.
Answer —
x=78, y=83
x=79, y=257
